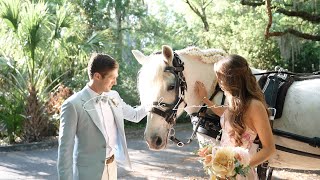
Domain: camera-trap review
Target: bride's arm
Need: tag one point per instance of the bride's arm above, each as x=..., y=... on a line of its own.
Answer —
x=218, y=110
x=258, y=117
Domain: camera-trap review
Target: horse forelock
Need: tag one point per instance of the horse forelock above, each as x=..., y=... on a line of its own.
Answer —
x=207, y=56
x=150, y=78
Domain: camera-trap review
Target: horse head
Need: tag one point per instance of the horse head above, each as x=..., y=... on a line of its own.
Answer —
x=166, y=85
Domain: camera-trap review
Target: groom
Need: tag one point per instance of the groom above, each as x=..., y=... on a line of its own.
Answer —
x=91, y=137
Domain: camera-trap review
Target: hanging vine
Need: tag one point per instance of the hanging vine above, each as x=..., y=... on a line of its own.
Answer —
x=289, y=48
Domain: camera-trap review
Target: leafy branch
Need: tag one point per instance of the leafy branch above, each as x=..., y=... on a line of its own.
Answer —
x=312, y=18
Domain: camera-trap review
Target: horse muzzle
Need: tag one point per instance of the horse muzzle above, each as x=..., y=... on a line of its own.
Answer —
x=156, y=142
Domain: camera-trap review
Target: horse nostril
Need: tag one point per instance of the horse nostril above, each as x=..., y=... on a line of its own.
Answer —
x=157, y=140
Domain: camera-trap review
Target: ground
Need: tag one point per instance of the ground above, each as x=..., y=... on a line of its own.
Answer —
x=172, y=163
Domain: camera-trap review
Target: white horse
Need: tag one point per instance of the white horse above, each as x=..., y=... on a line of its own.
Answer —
x=158, y=86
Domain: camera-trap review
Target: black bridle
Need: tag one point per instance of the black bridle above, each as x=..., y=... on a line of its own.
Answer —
x=169, y=110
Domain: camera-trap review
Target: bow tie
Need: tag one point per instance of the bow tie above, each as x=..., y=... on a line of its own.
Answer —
x=102, y=98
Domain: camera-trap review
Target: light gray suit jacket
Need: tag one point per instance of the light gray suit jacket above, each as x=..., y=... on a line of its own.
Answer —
x=82, y=146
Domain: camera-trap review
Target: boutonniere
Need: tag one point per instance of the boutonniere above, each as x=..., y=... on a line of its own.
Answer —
x=114, y=101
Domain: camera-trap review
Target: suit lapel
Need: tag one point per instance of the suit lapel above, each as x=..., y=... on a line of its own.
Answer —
x=88, y=105
x=116, y=114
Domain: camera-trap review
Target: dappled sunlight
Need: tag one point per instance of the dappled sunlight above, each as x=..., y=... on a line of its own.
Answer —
x=45, y=44
x=171, y=163
x=36, y=164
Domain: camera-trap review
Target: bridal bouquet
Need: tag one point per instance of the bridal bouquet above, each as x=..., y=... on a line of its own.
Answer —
x=224, y=162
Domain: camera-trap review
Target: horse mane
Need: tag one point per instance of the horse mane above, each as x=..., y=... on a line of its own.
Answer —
x=207, y=56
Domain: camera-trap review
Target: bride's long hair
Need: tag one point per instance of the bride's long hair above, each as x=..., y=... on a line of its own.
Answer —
x=235, y=77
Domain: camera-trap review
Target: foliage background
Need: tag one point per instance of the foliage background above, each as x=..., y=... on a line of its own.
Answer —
x=65, y=33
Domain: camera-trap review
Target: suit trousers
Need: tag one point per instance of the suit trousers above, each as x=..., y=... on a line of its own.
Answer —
x=110, y=171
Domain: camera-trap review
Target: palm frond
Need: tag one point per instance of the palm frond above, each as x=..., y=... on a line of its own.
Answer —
x=34, y=15
x=16, y=80
x=9, y=11
x=54, y=81
x=99, y=39
x=14, y=84
x=63, y=20
x=19, y=82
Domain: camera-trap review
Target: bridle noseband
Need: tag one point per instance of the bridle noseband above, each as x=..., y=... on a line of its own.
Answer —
x=180, y=86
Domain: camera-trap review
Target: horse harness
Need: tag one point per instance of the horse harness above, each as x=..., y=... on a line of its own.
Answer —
x=180, y=86
x=170, y=113
x=204, y=122
x=275, y=85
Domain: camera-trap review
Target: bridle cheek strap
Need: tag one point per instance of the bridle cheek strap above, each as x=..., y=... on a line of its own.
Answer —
x=180, y=86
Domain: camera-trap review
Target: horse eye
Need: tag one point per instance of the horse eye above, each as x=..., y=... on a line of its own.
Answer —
x=171, y=87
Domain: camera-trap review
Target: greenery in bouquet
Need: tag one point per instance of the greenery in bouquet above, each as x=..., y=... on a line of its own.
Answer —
x=224, y=162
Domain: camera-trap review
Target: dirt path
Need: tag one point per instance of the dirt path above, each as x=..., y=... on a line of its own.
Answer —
x=172, y=163
x=181, y=163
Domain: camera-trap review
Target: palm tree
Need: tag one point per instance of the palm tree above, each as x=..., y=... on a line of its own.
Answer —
x=44, y=42
x=33, y=31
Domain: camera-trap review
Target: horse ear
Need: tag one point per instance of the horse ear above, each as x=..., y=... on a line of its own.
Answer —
x=140, y=57
x=167, y=53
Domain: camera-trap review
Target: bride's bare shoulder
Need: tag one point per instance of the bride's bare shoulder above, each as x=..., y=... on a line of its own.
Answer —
x=256, y=105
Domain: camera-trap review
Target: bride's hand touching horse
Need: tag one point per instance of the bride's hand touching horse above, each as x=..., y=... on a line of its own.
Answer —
x=202, y=94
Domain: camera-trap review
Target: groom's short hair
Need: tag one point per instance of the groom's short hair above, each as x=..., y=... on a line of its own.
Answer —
x=102, y=64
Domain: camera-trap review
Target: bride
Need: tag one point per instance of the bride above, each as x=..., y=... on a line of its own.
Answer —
x=246, y=115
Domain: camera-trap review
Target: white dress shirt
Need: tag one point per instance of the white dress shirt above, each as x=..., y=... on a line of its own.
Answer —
x=107, y=120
